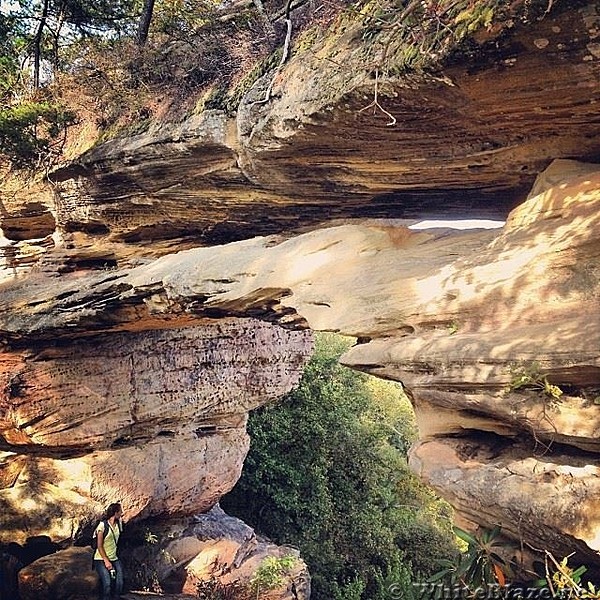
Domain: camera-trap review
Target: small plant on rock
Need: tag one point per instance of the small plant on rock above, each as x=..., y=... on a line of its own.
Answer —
x=565, y=581
x=479, y=566
x=150, y=538
x=531, y=377
x=270, y=573
x=452, y=327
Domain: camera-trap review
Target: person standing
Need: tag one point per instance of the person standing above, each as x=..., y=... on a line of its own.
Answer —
x=106, y=562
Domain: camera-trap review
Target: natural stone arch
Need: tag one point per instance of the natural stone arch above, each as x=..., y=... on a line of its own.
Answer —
x=448, y=313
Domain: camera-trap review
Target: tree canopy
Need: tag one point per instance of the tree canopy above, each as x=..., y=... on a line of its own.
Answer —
x=33, y=35
x=327, y=473
x=53, y=53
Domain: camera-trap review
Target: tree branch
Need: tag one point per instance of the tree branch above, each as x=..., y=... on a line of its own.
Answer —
x=284, y=54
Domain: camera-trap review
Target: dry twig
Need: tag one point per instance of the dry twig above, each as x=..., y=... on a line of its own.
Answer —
x=375, y=104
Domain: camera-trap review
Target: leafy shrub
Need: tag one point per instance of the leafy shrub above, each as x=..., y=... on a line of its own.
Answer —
x=271, y=572
x=478, y=567
x=327, y=473
x=531, y=377
x=32, y=132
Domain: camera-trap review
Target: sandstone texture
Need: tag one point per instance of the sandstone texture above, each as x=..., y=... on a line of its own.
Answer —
x=155, y=419
x=469, y=139
x=161, y=285
x=212, y=547
x=64, y=575
x=216, y=547
x=470, y=322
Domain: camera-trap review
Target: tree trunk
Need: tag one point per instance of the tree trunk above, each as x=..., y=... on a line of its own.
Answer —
x=145, y=19
x=37, y=45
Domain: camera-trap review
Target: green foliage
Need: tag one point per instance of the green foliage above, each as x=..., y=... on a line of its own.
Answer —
x=190, y=49
x=32, y=131
x=327, y=473
x=565, y=581
x=180, y=18
x=531, y=377
x=477, y=568
x=78, y=17
x=481, y=564
x=481, y=567
x=452, y=327
x=270, y=573
x=45, y=28
x=81, y=53
x=77, y=50
x=417, y=35
x=150, y=538
x=474, y=17
x=9, y=63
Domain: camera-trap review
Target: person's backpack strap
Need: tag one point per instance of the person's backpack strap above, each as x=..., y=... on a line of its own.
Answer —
x=95, y=538
x=105, y=528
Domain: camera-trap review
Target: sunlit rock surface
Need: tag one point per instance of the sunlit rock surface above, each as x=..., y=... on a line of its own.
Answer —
x=153, y=418
x=458, y=317
x=543, y=496
x=214, y=546
x=128, y=349
x=469, y=140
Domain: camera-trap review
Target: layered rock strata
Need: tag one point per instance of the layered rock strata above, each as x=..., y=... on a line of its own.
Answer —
x=494, y=333
x=154, y=418
x=469, y=139
x=119, y=372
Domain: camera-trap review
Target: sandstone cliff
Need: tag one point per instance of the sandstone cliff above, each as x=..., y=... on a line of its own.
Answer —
x=131, y=355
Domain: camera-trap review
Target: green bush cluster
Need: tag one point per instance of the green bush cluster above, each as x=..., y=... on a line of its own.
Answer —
x=31, y=131
x=270, y=573
x=327, y=473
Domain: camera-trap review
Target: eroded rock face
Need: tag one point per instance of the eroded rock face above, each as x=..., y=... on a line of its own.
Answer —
x=63, y=575
x=504, y=326
x=478, y=326
x=155, y=419
x=468, y=141
x=548, y=495
x=113, y=390
x=113, y=363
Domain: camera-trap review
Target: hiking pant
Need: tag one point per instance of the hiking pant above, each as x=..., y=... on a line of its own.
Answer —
x=106, y=580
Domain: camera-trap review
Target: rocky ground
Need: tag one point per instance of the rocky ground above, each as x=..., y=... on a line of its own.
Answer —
x=152, y=596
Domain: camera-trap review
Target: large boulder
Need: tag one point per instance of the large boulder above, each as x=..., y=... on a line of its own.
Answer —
x=214, y=551
x=174, y=556
x=64, y=575
x=155, y=419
